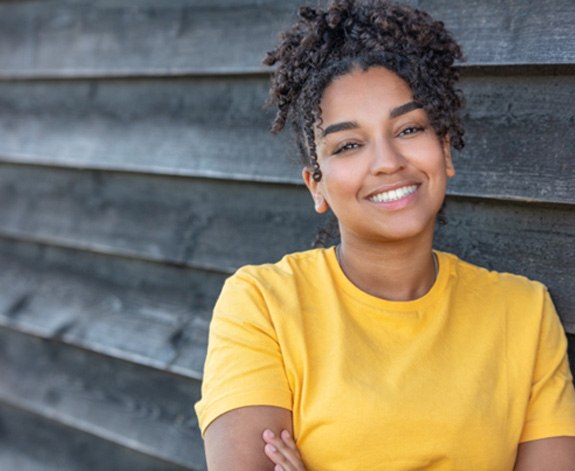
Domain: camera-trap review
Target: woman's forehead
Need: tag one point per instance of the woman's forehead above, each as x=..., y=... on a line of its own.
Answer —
x=374, y=87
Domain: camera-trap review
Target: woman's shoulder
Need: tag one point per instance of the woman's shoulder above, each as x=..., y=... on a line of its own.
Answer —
x=272, y=287
x=489, y=280
x=290, y=266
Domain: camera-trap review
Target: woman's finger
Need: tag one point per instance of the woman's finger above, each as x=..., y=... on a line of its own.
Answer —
x=288, y=440
x=277, y=457
x=282, y=453
x=280, y=461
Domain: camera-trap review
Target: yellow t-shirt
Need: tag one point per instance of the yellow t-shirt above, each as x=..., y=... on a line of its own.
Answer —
x=454, y=380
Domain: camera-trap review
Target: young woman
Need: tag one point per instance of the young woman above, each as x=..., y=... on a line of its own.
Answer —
x=381, y=353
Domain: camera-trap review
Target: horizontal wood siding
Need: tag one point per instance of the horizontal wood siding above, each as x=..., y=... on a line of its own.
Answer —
x=109, y=38
x=145, y=312
x=197, y=126
x=517, y=146
x=137, y=172
x=33, y=442
x=176, y=220
x=145, y=410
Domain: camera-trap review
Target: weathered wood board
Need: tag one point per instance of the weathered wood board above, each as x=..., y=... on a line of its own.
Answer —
x=146, y=313
x=205, y=224
x=104, y=38
x=205, y=127
x=31, y=442
x=149, y=412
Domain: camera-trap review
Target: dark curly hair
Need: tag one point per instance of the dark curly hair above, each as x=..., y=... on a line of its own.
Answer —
x=326, y=43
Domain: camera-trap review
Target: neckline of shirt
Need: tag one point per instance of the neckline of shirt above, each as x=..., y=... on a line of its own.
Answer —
x=435, y=293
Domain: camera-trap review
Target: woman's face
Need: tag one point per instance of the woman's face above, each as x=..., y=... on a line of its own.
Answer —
x=384, y=168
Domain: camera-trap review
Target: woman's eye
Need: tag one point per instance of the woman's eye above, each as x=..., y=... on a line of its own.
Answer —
x=410, y=130
x=345, y=147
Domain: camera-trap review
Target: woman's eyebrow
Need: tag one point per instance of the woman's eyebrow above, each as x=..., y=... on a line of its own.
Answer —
x=412, y=105
x=344, y=126
x=394, y=113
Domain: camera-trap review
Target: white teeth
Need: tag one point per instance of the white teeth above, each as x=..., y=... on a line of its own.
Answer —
x=393, y=195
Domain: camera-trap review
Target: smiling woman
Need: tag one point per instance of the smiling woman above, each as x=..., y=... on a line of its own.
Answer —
x=381, y=353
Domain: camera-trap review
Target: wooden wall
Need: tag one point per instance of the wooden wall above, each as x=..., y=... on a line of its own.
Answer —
x=137, y=172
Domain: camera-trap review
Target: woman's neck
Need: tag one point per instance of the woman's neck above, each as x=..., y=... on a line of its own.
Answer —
x=396, y=271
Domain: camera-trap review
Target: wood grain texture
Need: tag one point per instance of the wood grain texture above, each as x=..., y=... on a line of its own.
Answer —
x=32, y=442
x=517, y=141
x=139, y=409
x=84, y=38
x=210, y=127
x=146, y=313
x=216, y=128
x=509, y=32
x=103, y=38
x=204, y=224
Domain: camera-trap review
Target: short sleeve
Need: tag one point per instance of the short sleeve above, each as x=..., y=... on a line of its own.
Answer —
x=244, y=365
x=551, y=408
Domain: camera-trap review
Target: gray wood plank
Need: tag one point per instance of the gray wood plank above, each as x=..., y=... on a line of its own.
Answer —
x=509, y=32
x=211, y=127
x=103, y=38
x=147, y=313
x=140, y=409
x=517, y=144
x=211, y=224
x=35, y=443
x=518, y=140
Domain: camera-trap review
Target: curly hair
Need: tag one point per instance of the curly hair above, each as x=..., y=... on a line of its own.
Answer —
x=327, y=43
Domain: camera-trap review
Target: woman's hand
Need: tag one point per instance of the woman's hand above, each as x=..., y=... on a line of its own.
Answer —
x=282, y=451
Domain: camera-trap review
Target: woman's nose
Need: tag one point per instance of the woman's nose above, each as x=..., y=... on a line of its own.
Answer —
x=386, y=158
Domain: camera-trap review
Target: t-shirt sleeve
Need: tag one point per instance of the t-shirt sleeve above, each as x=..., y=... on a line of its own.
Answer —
x=551, y=408
x=244, y=365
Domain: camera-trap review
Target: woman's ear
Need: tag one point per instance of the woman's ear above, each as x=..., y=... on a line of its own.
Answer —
x=449, y=167
x=320, y=204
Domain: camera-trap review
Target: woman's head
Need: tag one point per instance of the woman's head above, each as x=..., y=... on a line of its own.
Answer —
x=348, y=34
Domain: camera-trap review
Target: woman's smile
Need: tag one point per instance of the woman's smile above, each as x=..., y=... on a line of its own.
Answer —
x=393, y=195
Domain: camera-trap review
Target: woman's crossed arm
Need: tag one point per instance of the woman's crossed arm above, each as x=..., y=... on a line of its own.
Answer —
x=260, y=438
x=234, y=439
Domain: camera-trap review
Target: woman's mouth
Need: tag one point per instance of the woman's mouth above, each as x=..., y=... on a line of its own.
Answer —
x=393, y=195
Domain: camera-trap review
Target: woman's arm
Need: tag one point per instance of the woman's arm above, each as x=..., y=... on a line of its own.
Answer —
x=548, y=454
x=234, y=439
